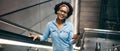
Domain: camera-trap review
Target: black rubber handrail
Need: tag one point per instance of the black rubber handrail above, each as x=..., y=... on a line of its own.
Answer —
x=17, y=37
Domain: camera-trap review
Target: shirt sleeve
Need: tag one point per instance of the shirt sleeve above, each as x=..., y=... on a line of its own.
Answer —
x=71, y=33
x=46, y=34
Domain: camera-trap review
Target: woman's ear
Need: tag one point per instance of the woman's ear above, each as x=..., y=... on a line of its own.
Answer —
x=58, y=12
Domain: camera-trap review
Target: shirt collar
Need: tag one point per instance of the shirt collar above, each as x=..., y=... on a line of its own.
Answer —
x=54, y=21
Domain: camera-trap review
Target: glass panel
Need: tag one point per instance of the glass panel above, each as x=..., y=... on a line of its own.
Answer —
x=100, y=39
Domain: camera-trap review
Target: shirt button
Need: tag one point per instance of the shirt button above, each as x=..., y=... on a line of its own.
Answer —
x=60, y=31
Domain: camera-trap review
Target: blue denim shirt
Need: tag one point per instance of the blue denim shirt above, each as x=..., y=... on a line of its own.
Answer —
x=61, y=39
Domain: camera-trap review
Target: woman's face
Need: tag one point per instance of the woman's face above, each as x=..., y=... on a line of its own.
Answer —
x=63, y=12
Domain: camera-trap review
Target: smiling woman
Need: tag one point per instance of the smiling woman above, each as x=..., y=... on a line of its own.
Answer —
x=34, y=18
x=61, y=31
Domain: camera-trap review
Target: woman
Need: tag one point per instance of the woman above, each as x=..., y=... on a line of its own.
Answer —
x=60, y=30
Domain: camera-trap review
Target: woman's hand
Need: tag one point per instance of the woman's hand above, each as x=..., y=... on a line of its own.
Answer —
x=75, y=38
x=34, y=36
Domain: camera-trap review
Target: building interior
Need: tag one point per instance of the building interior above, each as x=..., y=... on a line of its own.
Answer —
x=98, y=22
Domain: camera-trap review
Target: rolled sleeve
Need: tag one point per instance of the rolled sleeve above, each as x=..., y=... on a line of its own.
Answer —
x=46, y=34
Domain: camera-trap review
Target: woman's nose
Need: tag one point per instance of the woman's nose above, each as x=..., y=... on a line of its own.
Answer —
x=62, y=12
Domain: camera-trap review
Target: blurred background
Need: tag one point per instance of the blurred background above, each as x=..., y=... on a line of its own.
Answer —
x=98, y=21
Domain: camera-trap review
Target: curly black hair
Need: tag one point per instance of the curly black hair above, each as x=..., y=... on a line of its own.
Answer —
x=57, y=7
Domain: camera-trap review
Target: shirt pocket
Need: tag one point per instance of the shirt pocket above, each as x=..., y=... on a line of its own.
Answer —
x=64, y=34
x=53, y=32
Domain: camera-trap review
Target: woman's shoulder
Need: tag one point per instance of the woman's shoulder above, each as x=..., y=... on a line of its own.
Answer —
x=50, y=23
x=69, y=23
